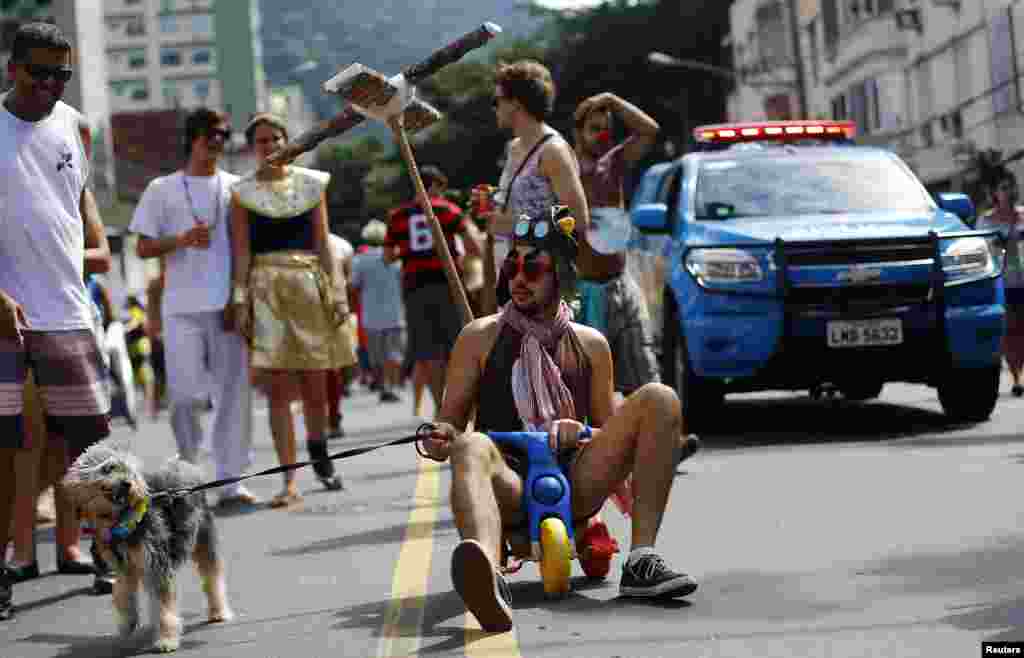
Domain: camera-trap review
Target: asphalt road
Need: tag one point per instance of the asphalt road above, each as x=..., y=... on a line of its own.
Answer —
x=814, y=528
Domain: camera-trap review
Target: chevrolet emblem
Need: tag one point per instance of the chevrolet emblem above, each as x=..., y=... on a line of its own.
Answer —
x=859, y=276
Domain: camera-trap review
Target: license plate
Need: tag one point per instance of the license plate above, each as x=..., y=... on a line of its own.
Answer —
x=865, y=333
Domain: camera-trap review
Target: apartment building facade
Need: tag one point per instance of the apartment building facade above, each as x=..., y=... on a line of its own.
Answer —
x=935, y=80
x=82, y=22
x=181, y=54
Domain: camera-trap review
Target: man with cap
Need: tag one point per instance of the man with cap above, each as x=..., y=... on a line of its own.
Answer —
x=530, y=367
x=379, y=284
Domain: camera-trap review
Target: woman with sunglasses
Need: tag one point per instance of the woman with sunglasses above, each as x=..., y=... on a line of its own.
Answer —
x=1008, y=217
x=289, y=297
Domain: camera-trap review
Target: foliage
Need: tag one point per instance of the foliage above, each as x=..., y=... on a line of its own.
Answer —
x=589, y=51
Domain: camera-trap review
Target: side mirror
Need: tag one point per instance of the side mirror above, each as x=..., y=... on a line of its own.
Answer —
x=958, y=204
x=651, y=217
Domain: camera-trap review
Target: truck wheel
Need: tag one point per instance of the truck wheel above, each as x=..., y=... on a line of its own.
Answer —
x=699, y=397
x=969, y=395
x=861, y=391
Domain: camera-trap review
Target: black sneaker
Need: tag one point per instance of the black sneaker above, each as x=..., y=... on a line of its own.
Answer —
x=482, y=588
x=103, y=583
x=649, y=576
x=688, y=448
x=6, y=594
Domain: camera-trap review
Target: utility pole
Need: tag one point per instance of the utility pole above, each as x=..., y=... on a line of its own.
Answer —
x=798, y=58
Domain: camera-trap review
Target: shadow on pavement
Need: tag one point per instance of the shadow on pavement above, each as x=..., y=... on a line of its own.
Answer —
x=389, y=535
x=800, y=420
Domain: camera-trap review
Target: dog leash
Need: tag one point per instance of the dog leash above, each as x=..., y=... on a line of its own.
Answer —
x=344, y=454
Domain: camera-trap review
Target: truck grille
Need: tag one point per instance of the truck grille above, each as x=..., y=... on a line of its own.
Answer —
x=854, y=253
x=857, y=298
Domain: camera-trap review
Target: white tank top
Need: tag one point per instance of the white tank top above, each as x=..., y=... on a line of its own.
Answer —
x=42, y=242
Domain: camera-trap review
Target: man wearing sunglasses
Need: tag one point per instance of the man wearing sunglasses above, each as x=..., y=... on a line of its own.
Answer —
x=52, y=235
x=530, y=367
x=183, y=219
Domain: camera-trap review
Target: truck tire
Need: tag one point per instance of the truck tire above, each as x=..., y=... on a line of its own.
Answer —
x=861, y=391
x=699, y=397
x=969, y=395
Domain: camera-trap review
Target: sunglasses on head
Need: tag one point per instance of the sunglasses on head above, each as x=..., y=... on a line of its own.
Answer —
x=42, y=72
x=531, y=268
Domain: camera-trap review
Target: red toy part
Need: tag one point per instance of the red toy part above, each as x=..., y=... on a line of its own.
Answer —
x=598, y=548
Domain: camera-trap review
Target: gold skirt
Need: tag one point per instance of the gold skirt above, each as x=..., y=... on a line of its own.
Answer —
x=293, y=323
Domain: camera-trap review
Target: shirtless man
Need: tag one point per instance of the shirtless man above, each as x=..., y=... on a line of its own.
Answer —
x=573, y=381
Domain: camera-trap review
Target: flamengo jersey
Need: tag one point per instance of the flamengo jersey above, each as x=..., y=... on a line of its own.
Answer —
x=42, y=243
x=409, y=230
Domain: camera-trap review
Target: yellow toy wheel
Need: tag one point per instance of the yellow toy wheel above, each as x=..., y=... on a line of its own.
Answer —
x=555, y=557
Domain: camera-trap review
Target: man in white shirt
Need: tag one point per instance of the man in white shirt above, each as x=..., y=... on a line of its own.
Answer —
x=52, y=234
x=183, y=218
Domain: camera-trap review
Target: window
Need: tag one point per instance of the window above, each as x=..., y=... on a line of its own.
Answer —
x=134, y=89
x=202, y=23
x=201, y=89
x=135, y=27
x=839, y=112
x=132, y=2
x=170, y=93
x=771, y=34
x=168, y=24
x=170, y=57
x=202, y=56
x=137, y=58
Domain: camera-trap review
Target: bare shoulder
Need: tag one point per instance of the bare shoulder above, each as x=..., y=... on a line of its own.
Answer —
x=593, y=341
x=481, y=333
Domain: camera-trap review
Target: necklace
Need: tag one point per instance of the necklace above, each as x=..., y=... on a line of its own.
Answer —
x=192, y=206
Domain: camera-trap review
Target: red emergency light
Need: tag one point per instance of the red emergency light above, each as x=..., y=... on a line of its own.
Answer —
x=727, y=133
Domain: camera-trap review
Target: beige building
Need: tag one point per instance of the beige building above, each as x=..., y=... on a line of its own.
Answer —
x=936, y=80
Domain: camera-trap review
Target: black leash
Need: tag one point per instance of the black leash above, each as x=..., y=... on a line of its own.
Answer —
x=344, y=454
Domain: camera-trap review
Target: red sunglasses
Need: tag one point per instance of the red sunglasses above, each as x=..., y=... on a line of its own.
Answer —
x=532, y=269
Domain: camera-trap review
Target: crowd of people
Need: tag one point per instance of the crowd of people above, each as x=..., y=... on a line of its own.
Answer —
x=254, y=291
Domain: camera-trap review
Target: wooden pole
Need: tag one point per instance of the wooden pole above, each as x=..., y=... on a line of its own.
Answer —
x=440, y=243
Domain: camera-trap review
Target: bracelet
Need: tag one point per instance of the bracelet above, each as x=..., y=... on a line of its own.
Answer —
x=239, y=294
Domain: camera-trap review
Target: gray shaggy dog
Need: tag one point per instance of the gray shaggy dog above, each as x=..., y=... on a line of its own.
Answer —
x=147, y=539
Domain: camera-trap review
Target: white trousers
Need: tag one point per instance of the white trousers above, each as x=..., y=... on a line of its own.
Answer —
x=203, y=359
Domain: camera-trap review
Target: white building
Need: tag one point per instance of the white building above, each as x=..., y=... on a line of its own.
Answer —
x=937, y=80
x=161, y=54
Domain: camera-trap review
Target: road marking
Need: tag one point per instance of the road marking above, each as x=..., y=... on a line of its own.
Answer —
x=489, y=645
x=403, y=621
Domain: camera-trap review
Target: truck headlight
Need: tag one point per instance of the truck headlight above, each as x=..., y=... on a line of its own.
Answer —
x=967, y=259
x=710, y=266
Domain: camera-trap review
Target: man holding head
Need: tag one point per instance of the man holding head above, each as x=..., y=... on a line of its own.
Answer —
x=183, y=218
x=529, y=367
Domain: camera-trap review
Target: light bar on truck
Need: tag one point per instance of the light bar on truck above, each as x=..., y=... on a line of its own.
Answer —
x=727, y=133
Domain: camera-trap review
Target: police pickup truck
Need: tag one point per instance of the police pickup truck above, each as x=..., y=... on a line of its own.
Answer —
x=796, y=260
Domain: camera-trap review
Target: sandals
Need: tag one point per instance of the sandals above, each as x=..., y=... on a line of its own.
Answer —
x=286, y=499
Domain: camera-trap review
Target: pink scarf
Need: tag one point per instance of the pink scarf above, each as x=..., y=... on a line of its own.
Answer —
x=540, y=394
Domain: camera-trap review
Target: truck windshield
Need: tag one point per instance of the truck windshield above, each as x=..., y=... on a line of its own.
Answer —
x=788, y=185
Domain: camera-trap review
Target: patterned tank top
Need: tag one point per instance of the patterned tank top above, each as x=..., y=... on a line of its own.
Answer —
x=531, y=192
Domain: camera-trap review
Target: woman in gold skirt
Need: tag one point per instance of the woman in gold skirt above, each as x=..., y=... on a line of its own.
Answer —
x=289, y=297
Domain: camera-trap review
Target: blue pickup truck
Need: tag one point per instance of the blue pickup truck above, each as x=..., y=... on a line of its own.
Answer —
x=795, y=259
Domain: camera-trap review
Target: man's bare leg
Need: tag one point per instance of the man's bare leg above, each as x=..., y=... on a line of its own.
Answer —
x=484, y=491
x=640, y=438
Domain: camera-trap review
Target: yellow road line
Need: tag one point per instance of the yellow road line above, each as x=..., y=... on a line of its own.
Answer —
x=489, y=645
x=403, y=622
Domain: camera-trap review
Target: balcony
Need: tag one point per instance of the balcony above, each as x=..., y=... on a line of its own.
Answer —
x=875, y=37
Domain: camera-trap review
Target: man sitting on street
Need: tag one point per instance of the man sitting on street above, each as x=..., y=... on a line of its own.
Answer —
x=529, y=367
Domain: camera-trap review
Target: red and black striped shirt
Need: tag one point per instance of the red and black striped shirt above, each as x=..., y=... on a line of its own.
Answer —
x=409, y=230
